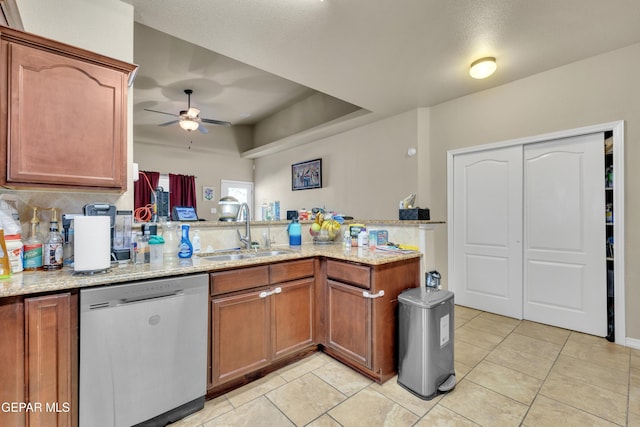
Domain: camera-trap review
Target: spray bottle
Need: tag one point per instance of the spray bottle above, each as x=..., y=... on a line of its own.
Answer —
x=32, y=257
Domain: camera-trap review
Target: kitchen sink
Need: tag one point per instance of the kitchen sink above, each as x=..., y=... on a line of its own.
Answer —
x=271, y=253
x=228, y=257
x=244, y=255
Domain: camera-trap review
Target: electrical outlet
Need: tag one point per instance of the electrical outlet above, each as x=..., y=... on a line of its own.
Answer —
x=214, y=210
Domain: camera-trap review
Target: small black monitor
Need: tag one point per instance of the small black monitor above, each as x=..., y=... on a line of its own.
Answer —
x=184, y=213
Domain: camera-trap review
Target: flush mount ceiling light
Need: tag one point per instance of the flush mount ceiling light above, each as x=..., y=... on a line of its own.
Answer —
x=189, y=124
x=483, y=67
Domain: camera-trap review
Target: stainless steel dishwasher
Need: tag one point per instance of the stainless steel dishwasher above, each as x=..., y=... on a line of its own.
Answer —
x=143, y=351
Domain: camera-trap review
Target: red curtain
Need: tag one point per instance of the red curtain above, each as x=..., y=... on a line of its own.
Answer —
x=182, y=190
x=142, y=188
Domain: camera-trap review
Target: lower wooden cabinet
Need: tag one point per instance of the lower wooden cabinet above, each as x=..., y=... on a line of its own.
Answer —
x=240, y=341
x=292, y=317
x=349, y=322
x=254, y=327
x=39, y=350
x=361, y=306
x=264, y=315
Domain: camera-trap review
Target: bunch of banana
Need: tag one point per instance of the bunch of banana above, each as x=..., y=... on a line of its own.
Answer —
x=325, y=221
x=332, y=226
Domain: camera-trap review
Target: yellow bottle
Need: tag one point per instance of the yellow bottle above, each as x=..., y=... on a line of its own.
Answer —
x=32, y=256
x=5, y=266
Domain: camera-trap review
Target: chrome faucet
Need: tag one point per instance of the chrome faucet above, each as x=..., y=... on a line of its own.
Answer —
x=246, y=239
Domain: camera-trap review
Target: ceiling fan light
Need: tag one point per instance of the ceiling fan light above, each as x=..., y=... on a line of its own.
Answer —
x=189, y=125
x=483, y=67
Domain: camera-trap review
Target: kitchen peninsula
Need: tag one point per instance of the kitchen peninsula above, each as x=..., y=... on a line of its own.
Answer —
x=316, y=297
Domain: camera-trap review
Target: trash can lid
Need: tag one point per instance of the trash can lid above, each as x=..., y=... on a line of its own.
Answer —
x=424, y=297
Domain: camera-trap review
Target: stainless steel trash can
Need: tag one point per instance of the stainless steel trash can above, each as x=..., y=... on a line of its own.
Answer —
x=425, y=342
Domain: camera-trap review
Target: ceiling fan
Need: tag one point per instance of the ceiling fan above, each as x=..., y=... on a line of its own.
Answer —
x=189, y=119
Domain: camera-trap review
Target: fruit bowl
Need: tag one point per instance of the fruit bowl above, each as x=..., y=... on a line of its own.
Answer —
x=322, y=236
x=325, y=231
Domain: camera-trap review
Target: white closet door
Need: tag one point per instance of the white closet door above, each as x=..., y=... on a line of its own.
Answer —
x=487, y=230
x=564, y=234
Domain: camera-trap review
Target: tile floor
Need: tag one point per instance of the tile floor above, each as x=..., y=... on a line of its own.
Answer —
x=510, y=373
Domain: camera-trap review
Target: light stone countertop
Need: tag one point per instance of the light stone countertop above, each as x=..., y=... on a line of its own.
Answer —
x=234, y=224
x=32, y=282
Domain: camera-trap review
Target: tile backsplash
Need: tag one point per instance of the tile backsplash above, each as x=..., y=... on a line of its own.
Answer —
x=65, y=202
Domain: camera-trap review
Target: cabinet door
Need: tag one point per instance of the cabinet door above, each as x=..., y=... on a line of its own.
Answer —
x=67, y=121
x=12, y=356
x=292, y=308
x=349, y=322
x=239, y=335
x=48, y=322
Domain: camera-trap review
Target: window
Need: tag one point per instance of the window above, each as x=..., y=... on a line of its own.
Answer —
x=241, y=190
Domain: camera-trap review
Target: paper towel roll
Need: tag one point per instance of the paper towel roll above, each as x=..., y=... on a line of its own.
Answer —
x=91, y=243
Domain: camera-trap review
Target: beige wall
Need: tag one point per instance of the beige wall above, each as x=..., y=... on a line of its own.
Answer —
x=209, y=167
x=597, y=90
x=366, y=171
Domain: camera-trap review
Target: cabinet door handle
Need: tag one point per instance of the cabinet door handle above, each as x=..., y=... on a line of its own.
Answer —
x=265, y=294
x=368, y=295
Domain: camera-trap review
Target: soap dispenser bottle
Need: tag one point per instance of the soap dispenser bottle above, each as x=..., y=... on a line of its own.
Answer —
x=32, y=256
x=53, y=245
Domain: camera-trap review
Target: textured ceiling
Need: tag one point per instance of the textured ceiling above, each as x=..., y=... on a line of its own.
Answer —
x=386, y=56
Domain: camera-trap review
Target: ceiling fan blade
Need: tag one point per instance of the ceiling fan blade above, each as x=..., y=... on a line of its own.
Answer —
x=161, y=112
x=172, y=122
x=215, y=122
x=193, y=112
x=203, y=129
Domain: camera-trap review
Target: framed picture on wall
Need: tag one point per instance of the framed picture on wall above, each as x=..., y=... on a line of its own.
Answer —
x=208, y=193
x=306, y=175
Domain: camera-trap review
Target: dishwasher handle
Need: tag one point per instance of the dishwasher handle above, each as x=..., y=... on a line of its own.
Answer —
x=140, y=298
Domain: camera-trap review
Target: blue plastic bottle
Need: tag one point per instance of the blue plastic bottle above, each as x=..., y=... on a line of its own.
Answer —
x=295, y=233
x=186, y=248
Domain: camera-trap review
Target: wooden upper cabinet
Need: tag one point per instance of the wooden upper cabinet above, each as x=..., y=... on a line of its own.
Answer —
x=63, y=115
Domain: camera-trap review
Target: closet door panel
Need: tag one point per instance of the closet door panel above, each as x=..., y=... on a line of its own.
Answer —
x=564, y=234
x=487, y=230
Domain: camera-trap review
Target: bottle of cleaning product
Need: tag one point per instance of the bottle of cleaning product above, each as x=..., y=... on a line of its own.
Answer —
x=15, y=250
x=276, y=210
x=5, y=265
x=144, y=251
x=133, y=250
x=197, y=245
x=32, y=255
x=295, y=232
x=363, y=238
x=186, y=248
x=53, y=245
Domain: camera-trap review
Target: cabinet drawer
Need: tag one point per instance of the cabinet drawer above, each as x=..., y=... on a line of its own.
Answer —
x=237, y=280
x=292, y=270
x=349, y=273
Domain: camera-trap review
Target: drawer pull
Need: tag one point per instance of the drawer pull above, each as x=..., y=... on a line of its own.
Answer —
x=265, y=294
x=368, y=295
